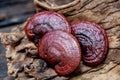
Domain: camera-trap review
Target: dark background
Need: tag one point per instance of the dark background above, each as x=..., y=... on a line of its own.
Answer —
x=12, y=14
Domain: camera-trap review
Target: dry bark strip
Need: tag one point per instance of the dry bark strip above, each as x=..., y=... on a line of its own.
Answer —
x=20, y=51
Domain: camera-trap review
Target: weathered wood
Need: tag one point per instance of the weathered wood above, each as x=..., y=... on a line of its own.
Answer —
x=103, y=12
x=12, y=12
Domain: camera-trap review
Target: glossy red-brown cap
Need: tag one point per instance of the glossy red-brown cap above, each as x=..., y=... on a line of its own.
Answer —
x=60, y=49
x=93, y=40
x=43, y=22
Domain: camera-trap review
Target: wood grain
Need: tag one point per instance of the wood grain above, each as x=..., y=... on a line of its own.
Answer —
x=103, y=12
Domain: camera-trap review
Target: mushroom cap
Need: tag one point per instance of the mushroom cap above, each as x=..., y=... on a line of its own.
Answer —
x=93, y=40
x=60, y=49
x=43, y=22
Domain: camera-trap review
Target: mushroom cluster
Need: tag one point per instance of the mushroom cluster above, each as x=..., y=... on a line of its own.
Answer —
x=64, y=44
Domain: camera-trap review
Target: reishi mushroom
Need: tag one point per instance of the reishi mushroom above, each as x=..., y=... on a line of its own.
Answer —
x=43, y=22
x=60, y=49
x=93, y=40
x=57, y=46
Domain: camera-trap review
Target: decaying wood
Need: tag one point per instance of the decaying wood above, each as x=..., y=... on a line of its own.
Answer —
x=55, y=5
x=20, y=51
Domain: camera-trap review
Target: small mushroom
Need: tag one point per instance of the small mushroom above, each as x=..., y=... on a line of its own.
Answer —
x=43, y=22
x=62, y=50
x=93, y=40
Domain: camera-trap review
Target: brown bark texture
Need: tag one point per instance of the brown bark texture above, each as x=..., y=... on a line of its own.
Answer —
x=22, y=57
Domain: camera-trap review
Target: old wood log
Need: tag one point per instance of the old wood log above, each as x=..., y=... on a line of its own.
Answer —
x=20, y=51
